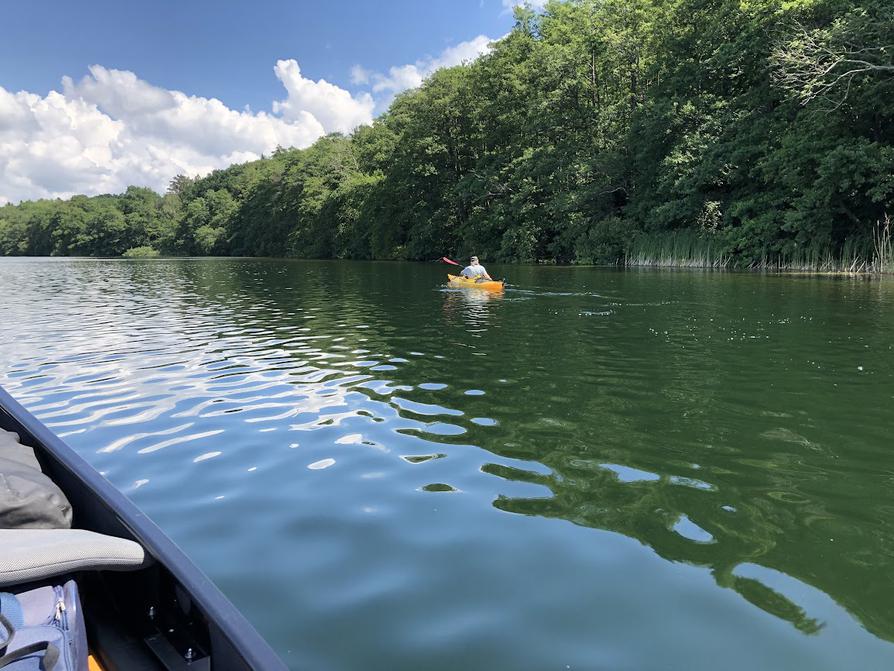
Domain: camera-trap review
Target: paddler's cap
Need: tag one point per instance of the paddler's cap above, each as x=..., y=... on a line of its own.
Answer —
x=474, y=258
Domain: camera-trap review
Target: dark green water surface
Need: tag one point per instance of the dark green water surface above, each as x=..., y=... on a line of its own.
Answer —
x=596, y=470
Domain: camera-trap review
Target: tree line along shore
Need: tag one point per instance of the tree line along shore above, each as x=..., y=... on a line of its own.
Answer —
x=710, y=133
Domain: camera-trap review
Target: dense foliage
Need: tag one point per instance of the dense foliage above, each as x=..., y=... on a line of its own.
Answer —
x=760, y=129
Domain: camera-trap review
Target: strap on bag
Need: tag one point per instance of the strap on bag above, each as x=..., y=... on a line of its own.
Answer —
x=12, y=609
x=50, y=651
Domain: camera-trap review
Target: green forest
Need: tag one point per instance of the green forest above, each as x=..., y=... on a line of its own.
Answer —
x=745, y=133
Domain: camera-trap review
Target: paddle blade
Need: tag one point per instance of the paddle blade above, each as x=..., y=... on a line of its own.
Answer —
x=452, y=263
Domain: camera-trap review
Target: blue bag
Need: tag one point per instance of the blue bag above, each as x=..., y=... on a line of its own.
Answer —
x=43, y=630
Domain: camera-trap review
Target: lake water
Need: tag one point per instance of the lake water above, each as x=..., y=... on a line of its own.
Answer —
x=597, y=469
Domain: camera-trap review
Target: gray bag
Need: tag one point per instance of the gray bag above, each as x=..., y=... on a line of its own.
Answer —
x=28, y=498
x=43, y=630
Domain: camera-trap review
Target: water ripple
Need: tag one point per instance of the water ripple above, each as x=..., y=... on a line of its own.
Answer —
x=452, y=480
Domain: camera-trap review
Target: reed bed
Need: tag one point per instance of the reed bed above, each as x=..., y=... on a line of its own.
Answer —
x=678, y=249
x=689, y=249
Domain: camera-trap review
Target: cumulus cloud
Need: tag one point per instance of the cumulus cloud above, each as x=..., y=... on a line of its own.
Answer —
x=402, y=77
x=335, y=108
x=112, y=129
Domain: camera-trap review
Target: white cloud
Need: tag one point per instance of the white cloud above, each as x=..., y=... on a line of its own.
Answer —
x=335, y=108
x=359, y=75
x=402, y=77
x=463, y=52
x=112, y=129
x=533, y=4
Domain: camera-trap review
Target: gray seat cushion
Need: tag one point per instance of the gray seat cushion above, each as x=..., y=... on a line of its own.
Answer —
x=36, y=554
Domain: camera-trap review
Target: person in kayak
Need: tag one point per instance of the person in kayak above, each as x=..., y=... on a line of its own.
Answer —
x=475, y=271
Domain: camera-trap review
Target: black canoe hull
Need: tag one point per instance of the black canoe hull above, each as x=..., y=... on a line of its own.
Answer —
x=155, y=617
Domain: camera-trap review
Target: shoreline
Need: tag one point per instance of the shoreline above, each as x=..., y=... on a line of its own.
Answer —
x=661, y=265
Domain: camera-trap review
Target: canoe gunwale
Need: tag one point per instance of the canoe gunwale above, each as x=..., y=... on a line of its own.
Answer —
x=109, y=511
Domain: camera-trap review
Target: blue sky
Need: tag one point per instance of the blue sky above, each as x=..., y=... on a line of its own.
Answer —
x=225, y=49
x=99, y=95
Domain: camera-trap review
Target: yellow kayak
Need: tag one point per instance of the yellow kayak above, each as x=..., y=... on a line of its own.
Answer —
x=466, y=283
